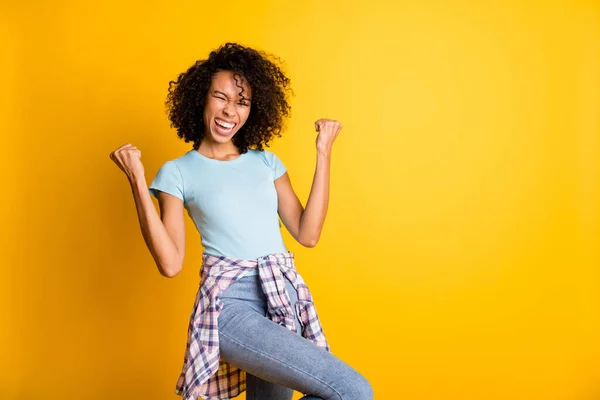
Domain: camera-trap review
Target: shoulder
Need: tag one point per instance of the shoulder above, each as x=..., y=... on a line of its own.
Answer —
x=179, y=168
x=170, y=179
x=271, y=161
x=180, y=163
x=268, y=157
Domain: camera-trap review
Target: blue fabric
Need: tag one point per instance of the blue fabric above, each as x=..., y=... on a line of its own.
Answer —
x=277, y=360
x=232, y=203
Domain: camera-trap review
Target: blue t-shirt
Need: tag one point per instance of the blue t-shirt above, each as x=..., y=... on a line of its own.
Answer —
x=232, y=203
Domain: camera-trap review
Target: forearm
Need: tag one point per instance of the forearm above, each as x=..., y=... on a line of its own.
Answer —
x=157, y=239
x=313, y=217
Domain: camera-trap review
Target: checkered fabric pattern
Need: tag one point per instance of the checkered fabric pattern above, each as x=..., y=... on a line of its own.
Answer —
x=203, y=373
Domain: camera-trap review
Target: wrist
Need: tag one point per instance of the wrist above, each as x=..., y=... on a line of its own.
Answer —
x=137, y=180
x=324, y=153
x=323, y=157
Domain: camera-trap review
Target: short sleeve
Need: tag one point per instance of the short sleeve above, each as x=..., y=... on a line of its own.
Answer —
x=168, y=179
x=278, y=168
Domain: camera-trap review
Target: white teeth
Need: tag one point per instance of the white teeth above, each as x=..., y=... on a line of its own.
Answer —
x=227, y=125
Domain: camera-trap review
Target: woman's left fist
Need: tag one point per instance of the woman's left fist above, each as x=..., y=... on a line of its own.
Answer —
x=328, y=130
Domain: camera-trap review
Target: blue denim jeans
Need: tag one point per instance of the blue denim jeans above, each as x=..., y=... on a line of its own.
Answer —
x=276, y=360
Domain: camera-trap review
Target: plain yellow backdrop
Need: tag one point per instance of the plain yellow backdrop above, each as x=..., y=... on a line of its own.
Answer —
x=460, y=257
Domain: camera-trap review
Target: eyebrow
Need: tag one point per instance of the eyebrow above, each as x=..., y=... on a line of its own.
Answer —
x=244, y=98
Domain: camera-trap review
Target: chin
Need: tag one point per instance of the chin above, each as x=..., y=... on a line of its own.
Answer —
x=220, y=138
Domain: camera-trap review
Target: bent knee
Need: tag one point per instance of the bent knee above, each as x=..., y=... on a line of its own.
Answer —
x=365, y=390
x=358, y=389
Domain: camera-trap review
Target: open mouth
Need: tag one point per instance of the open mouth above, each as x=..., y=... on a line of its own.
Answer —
x=224, y=127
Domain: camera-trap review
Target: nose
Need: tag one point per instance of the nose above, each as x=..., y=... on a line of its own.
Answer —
x=228, y=109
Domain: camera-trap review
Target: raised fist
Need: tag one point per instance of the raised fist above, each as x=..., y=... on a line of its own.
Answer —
x=128, y=159
x=328, y=130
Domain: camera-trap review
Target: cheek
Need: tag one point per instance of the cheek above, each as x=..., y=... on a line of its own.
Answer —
x=212, y=105
x=206, y=118
x=243, y=114
x=207, y=112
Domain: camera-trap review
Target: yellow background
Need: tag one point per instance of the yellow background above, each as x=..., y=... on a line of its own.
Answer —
x=460, y=257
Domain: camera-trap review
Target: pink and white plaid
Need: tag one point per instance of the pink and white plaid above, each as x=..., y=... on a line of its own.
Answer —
x=203, y=373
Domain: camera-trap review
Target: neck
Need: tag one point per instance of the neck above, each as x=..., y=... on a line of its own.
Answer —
x=219, y=151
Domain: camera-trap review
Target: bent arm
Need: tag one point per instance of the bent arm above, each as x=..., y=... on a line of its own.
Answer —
x=306, y=225
x=164, y=235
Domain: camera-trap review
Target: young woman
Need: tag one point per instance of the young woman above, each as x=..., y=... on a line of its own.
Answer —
x=254, y=325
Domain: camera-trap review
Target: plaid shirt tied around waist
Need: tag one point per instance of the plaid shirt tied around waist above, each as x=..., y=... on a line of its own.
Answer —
x=203, y=373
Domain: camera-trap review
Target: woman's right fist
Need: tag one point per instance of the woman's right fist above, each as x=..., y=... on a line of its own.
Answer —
x=128, y=159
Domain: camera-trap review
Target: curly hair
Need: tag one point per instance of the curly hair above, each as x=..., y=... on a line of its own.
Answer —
x=269, y=86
